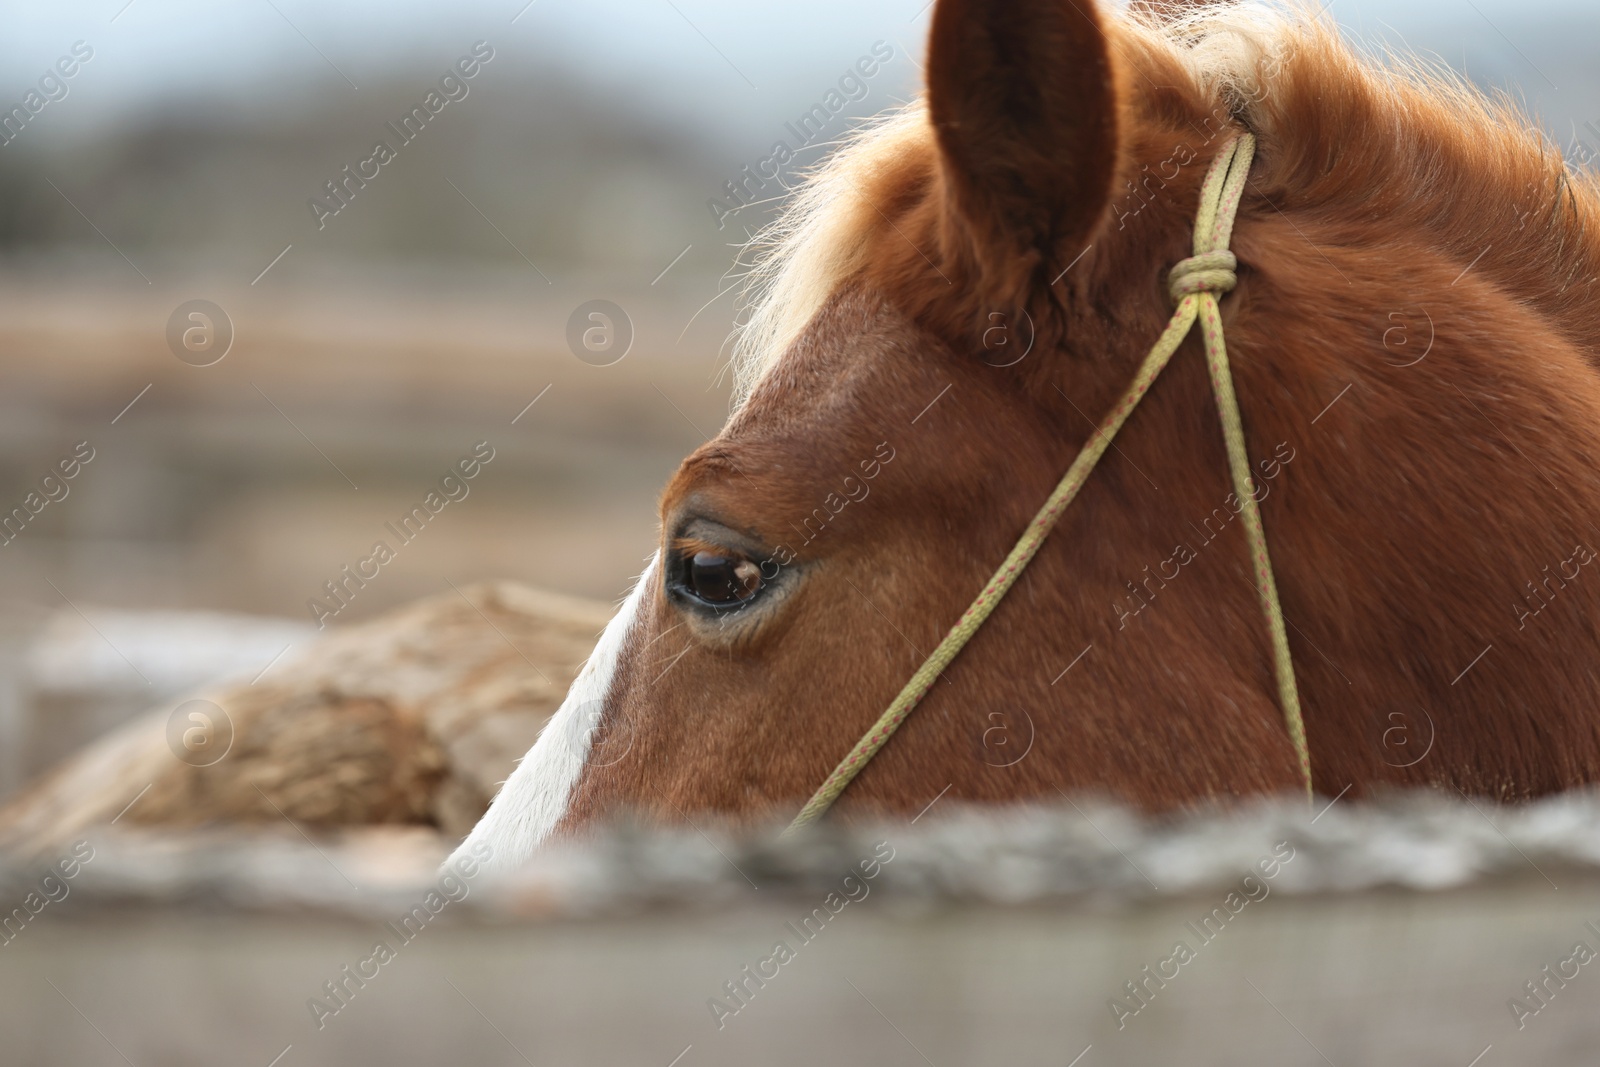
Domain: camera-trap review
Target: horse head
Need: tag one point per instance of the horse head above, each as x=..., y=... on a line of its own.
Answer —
x=942, y=319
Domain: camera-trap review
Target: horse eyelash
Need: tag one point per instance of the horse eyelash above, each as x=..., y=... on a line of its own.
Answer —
x=688, y=546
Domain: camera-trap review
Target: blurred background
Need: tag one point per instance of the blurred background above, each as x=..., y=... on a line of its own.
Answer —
x=346, y=359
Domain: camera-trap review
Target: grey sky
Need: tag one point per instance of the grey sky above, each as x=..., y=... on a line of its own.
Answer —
x=688, y=61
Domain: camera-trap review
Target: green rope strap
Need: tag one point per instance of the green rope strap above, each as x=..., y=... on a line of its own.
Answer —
x=1195, y=284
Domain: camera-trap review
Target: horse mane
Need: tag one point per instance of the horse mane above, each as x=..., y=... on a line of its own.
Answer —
x=1403, y=143
x=817, y=240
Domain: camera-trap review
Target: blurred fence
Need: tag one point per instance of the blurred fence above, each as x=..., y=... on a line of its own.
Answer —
x=1420, y=932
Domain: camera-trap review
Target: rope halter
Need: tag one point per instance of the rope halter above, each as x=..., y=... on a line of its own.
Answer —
x=1195, y=283
x=1209, y=272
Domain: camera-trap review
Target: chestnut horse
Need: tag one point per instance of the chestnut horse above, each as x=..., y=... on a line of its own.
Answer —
x=950, y=306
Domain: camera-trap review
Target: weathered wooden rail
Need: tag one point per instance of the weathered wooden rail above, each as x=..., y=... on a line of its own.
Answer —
x=1394, y=935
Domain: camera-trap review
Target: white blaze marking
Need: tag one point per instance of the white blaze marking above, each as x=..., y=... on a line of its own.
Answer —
x=535, y=797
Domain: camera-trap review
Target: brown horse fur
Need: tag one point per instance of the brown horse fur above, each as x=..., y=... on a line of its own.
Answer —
x=1412, y=340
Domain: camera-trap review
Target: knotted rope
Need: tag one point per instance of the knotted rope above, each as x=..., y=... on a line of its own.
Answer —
x=1195, y=284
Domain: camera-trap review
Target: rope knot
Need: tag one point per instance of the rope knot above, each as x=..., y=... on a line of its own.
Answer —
x=1209, y=272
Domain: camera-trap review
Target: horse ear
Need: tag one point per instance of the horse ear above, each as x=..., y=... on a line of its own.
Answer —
x=1024, y=102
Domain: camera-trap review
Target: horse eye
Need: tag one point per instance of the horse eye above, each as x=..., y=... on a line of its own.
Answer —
x=721, y=581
